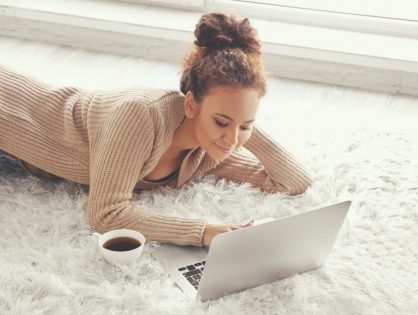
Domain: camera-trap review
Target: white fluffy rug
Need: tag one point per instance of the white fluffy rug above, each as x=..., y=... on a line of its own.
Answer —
x=359, y=145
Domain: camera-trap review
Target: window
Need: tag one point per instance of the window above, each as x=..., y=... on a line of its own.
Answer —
x=403, y=9
x=184, y=4
x=391, y=17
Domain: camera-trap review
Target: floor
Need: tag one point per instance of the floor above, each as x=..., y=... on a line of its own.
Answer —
x=359, y=145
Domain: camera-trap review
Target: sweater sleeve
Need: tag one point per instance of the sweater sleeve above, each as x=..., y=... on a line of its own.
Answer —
x=264, y=163
x=117, y=155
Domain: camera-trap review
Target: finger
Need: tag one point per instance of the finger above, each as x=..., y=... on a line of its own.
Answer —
x=248, y=224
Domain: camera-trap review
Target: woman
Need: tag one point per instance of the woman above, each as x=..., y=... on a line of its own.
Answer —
x=116, y=141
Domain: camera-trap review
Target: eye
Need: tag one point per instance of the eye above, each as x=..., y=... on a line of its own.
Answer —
x=225, y=125
x=220, y=124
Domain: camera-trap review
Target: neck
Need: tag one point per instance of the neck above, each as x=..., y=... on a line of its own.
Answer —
x=184, y=138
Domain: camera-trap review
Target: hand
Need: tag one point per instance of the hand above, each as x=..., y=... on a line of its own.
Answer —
x=211, y=230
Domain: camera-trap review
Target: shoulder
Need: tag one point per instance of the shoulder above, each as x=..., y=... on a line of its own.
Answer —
x=157, y=102
x=151, y=96
x=145, y=101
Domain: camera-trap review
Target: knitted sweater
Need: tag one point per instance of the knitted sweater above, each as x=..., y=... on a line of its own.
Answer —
x=111, y=139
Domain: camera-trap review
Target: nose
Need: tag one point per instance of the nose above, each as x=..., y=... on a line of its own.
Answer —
x=231, y=137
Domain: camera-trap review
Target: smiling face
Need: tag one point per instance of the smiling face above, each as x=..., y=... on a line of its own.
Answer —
x=223, y=121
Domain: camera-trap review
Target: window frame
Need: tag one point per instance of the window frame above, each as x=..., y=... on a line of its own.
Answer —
x=309, y=17
x=390, y=9
x=190, y=5
x=300, y=16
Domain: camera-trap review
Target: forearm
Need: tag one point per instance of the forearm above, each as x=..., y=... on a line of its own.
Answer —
x=154, y=226
x=281, y=166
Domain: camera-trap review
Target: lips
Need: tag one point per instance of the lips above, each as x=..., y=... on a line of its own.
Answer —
x=225, y=150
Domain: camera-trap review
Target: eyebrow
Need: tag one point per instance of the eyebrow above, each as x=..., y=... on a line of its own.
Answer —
x=227, y=117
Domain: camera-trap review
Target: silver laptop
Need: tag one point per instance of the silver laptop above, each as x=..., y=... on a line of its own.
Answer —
x=269, y=250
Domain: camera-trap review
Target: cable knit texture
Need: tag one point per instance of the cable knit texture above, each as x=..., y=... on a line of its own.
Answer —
x=111, y=139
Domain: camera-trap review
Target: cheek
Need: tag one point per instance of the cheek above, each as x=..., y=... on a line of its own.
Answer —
x=206, y=133
x=243, y=138
x=212, y=133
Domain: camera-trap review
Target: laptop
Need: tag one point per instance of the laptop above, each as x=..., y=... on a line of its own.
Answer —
x=269, y=250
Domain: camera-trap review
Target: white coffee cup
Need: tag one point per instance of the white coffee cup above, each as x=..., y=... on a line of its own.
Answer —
x=121, y=257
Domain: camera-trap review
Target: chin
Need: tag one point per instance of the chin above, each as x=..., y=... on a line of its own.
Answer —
x=217, y=155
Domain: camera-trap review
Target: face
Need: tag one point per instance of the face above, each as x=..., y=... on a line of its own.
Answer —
x=223, y=121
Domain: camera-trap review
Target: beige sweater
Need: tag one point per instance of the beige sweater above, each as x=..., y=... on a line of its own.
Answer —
x=111, y=139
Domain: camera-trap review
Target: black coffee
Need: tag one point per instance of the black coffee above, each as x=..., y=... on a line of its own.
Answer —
x=121, y=244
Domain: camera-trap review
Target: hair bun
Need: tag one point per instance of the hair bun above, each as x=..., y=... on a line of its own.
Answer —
x=218, y=31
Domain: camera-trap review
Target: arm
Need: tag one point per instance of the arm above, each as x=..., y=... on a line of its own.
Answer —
x=117, y=155
x=270, y=167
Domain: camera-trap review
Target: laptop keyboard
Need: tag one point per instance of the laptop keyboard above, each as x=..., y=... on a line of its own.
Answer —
x=193, y=272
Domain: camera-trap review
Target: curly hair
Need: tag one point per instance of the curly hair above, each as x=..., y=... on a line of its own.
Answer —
x=226, y=52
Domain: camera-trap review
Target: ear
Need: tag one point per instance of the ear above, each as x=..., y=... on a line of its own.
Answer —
x=190, y=106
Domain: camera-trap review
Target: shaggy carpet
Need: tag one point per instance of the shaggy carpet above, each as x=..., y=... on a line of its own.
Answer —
x=359, y=145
